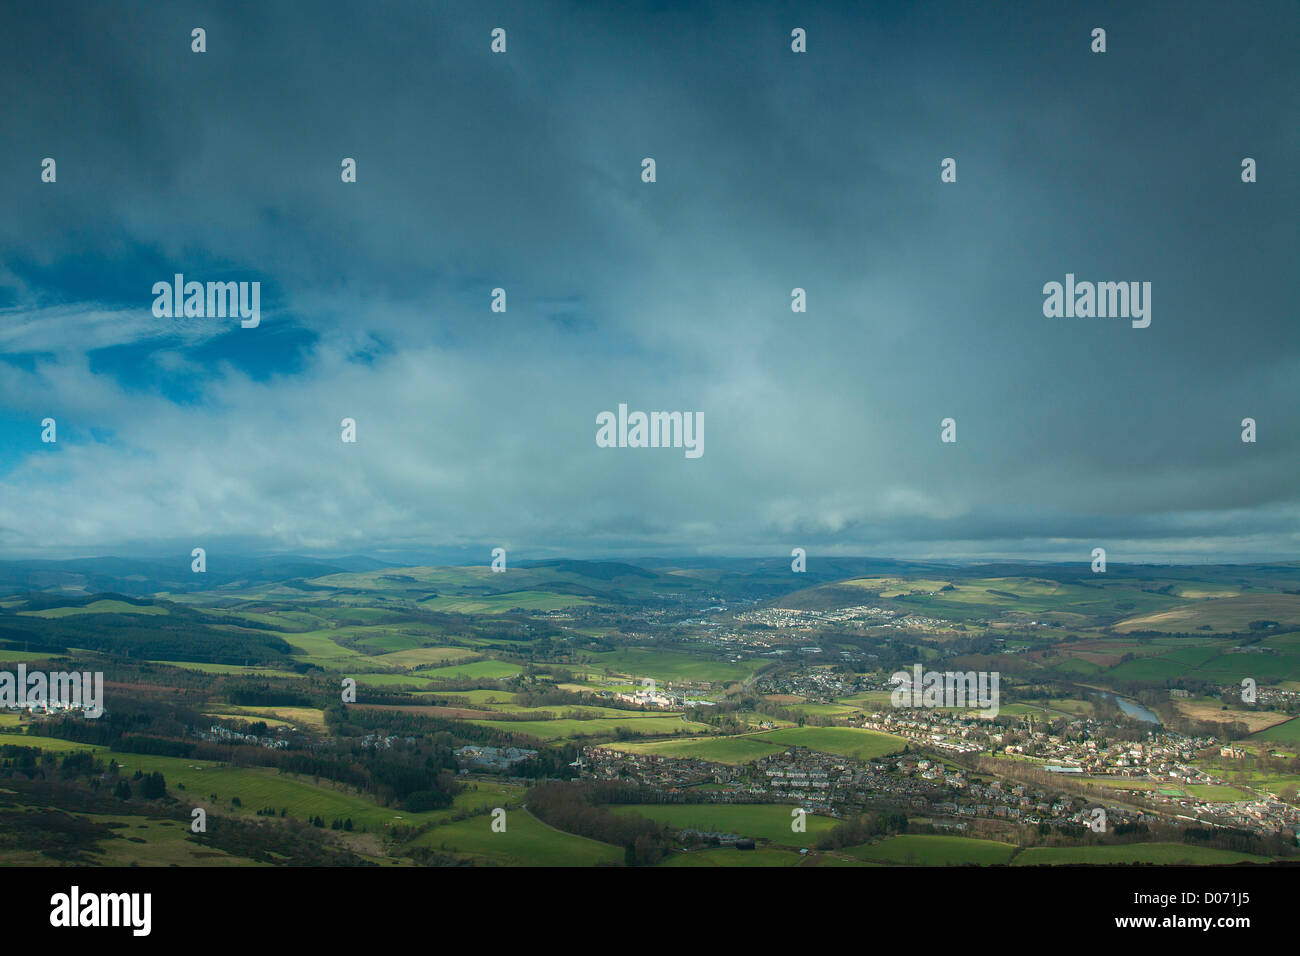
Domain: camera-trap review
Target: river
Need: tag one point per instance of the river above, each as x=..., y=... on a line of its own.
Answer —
x=1134, y=709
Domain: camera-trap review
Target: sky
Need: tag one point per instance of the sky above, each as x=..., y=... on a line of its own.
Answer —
x=774, y=170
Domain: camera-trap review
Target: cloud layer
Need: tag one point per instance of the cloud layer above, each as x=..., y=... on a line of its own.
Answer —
x=775, y=171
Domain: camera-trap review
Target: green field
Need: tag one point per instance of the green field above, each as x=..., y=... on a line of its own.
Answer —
x=729, y=856
x=762, y=821
x=824, y=710
x=320, y=648
x=1284, y=733
x=651, y=725
x=10, y=656
x=312, y=718
x=1163, y=853
x=96, y=607
x=55, y=745
x=926, y=850
x=728, y=750
x=501, y=603
x=453, y=653
x=422, y=656
x=136, y=840
x=408, y=682
x=259, y=787
x=526, y=842
x=841, y=741
x=493, y=670
x=1223, y=614
x=670, y=665
x=166, y=843
x=241, y=669
x=1218, y=794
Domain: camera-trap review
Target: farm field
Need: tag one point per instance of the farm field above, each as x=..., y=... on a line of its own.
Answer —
x=96, y=607
x=240, y=669
x=867, y=701
x=824, y=710
x=492, y=670
x=9, y=655
x=453, y=657
x=55, y=745
x=165, y=843
x=1222, y=614
x=319, y=648
x=1081, y=708
x=566, y=729
x=1203, y=708
x=996, y=597
x=508, y=601
x=1163, y=853
x=767, y=821
x=736, y=750
x=526, y=841
x=1219, y=794
x=1287, y=732
x=258, y=788
x=731, y=857
x=134, y=840
x=669, y=665
x=729, y=750
x=424, y=656
x=385, y=681
x=937, y=850
x=310, y=717
x=841, y=741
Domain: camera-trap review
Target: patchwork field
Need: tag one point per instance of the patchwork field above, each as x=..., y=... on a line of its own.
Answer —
x=463, y=655
x=1286, y=732
x=1201, y=708
x=1223, y=614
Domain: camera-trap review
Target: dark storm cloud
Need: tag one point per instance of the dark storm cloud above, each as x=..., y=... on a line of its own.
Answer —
x=775, y=170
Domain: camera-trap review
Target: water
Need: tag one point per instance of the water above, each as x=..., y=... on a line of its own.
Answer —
x=1134, y=709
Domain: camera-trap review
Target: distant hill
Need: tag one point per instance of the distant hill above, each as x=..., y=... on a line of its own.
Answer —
x=600, y=570
x=149, y=576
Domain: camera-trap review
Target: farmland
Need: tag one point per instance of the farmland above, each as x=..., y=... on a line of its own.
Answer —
x=1158, y=853
x=526, y=841
x=842, y=741
x=641, y=691
x=770, y=823
x=922, y=850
